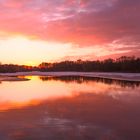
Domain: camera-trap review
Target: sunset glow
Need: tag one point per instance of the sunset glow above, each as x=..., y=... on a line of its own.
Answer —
x=69, y=69
x=33, y=31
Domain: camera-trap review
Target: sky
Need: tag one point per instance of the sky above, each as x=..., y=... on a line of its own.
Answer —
x=35, y=31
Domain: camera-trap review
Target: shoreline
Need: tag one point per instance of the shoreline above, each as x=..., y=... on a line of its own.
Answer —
x=106, y=75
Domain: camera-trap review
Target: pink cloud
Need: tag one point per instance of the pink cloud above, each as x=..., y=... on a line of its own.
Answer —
x=85, y=22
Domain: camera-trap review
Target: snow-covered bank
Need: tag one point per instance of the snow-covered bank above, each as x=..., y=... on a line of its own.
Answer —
x=116, y=76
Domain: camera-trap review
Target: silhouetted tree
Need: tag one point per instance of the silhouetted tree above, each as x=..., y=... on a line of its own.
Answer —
x=122, y=64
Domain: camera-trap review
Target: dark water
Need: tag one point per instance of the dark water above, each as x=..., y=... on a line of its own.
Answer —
x=69, y=108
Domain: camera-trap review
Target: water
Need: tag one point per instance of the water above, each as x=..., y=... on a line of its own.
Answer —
x=69, y=108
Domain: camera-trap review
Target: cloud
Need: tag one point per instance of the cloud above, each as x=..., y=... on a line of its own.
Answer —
x=109, y=23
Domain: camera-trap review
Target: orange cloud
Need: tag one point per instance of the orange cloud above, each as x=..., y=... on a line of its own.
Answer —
x=84, y=22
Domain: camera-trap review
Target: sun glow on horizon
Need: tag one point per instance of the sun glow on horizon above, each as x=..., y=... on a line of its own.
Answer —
x=23, y=50
x=31, y=63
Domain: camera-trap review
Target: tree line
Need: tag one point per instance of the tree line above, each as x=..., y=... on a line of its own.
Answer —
x=122, y=64
x=11, y=68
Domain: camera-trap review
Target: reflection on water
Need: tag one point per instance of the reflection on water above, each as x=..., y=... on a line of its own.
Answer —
x=69, y=108
x=79, y=80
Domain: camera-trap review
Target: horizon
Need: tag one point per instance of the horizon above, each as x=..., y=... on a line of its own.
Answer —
x=35, y=31
x=82, y=60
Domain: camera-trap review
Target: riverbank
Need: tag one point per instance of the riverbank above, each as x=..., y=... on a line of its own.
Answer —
x=110, y=75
